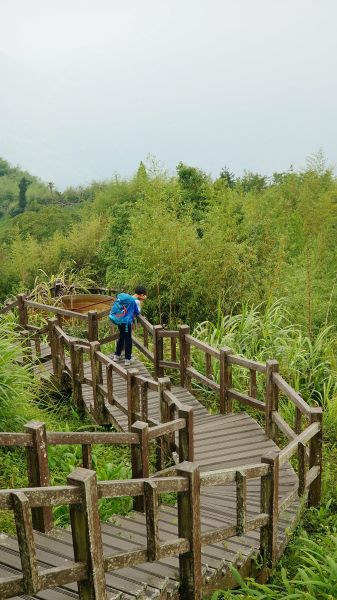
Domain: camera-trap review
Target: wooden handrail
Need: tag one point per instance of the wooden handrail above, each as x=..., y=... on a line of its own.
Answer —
x=148, y=326
x=291, y=394
x=55, y=310
x=8, y=307
x=302, y=438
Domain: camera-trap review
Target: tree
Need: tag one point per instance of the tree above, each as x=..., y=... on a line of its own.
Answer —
x=228, y=176
x=23, y=185
x=194, y=186
x=253, y=181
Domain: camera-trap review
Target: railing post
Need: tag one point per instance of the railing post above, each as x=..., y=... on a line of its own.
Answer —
x=144, y=395
x=76, y=360
x=271, y=397
x=269, y=505
x=23, y=312
x=92, y=326
x=38, y=473
x=158, y=351
x=110, y=383
x=53, y=345
x=186, y=435
x=97, y=380
x=140, y=459
x=26, y=346
x=226, y=404
x=133, y=396
x=241, y=502
x=163, y=442
x=315, y=457
x=87, y=456
x=185, y=356
x=302, y=468
x=25, y=535
x=87, y=535
x=189, y=528
x=152, y=520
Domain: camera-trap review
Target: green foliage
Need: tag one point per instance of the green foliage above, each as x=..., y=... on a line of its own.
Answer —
x=23, y=185
x=16, y=381
x=194, y=186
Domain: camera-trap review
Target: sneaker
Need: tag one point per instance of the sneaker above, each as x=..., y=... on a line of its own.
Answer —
x=116, y=358
x=128, y=361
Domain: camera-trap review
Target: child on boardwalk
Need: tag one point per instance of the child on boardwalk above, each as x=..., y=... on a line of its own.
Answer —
x=123, y=313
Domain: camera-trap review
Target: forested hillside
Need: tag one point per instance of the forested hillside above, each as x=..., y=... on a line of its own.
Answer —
x=198, y=243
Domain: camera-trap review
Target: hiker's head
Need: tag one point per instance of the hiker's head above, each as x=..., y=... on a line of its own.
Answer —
x=140, y=292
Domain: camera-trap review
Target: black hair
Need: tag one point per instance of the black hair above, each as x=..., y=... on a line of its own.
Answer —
x=140, y=289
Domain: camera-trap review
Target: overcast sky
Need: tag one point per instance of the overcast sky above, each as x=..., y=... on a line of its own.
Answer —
x=90, y=88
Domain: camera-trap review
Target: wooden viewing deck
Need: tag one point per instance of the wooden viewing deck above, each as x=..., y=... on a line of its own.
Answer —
x=237, y=494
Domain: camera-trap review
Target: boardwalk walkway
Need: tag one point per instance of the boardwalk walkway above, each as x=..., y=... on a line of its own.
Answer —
x=220, y=441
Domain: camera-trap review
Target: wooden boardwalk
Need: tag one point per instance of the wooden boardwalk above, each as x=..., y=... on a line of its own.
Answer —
x=220, y=442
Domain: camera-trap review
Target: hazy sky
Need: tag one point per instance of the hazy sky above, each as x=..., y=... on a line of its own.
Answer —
x=90, y=88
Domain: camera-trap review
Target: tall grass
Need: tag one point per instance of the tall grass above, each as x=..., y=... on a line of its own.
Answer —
x=314, y=579
x=265, y=331
x=17, y=383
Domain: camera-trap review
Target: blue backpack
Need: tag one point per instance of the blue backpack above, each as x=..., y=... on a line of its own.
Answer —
x=123, y=310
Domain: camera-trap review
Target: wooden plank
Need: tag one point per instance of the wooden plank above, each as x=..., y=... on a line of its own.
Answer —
x=315, y=457
x=203, y=346
x=252, y=383
x=165, y=428
x=245, y=399
x=271, y=397
x=241, y=502
x=90, y=437
x=140, y=459
x=283, y=425
x=143, y=349
x=288, y=391
x=202, y=378
x=38, y=472
x=225, y=476
x=42, y=497
x=302, y=438
x=23, y=440
x=56, y=310
x=270, y=506
x=247, y=363
x=24, y=530
x=168, y=333
x=151, y=510
x=169, y=364
x=145, y=323
x=186, y=435
x=189, y=528
x=225, y=381
x=87, y=537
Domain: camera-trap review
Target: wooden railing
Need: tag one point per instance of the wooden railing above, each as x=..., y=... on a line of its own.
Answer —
x=37, y=440
x=70, y=369
x=83, y=493
x=78, y=363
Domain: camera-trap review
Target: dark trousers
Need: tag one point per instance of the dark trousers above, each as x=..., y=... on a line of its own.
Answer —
x=124, y=340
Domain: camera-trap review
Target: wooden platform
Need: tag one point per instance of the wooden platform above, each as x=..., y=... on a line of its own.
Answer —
x=221, y=441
